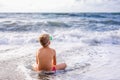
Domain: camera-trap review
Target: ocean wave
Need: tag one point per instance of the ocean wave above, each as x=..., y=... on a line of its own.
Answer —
x=13, y=38
x=110, y=40
x=111, y=22
x=34, y=26
x=25, y=25
x=63, y=35
x=89, y=38
x=111, y=37
x=58, y=15
x=65, y=27
x=46, y=21
x=106, y=22
x=89, y=15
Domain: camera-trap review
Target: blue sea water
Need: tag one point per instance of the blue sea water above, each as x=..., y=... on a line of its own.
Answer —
x=87, y=42
x=57, y=24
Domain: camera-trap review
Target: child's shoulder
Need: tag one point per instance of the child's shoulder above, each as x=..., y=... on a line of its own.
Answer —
x=52, y=49
x=39, y=50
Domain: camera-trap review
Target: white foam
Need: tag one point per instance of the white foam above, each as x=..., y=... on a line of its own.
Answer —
x=103, y=59
x=108, y=66
x=18, y=38
x=9, y=52
x=21, y=68
x=72, y=35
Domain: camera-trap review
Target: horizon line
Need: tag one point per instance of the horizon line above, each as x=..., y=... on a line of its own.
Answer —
x=60, y=12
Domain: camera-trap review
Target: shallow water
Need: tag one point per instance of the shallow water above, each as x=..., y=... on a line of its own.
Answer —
x=88, y=42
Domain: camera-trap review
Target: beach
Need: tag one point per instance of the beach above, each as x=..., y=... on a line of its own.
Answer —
x=89, y=43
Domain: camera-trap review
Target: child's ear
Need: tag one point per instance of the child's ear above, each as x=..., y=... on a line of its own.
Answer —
x=49, y=42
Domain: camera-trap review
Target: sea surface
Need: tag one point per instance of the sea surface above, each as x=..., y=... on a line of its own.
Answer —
x=89, y=43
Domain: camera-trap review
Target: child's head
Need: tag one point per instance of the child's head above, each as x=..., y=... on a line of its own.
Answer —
x=44, y=40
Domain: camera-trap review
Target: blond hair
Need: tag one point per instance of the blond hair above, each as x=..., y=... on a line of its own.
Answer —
x=44, y=40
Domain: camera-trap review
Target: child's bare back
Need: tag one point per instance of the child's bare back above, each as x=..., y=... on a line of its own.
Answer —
x=46, y=57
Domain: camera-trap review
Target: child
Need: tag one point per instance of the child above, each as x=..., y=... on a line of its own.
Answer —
x=46, y=56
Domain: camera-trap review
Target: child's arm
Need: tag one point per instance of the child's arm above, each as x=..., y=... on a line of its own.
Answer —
x=54, y=58
x=37, y=57
x=37, y=60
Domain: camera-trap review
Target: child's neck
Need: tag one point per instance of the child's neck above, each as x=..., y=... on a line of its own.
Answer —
x=46, y=47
